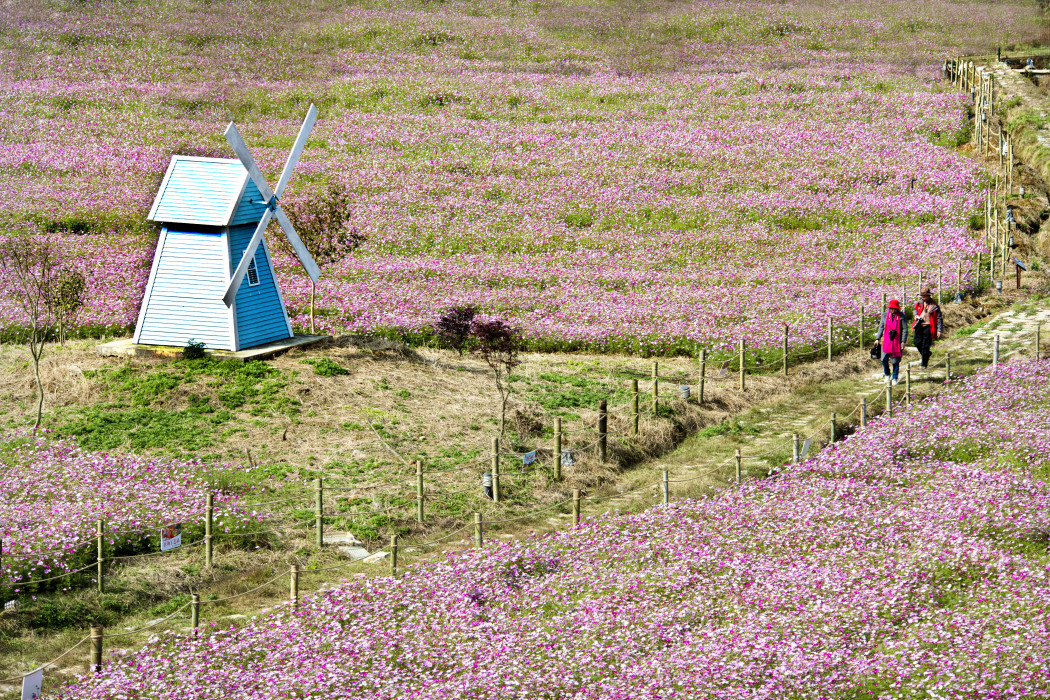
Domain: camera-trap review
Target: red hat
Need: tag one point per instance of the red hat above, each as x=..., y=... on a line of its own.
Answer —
x=894, y=304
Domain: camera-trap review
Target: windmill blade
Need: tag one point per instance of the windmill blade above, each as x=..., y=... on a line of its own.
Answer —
x=297, y=149
x=246, y=259
x=305, y=258
x=233, y=137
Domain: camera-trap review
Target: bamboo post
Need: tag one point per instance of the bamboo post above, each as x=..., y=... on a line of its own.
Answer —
x=100, y=558
x=1038, y=347
x=939, y=280
x=948, y=367
x=995, y=352
x=293, y=585
x=1009, y=168
x=195, y=611
x=634, y=409
x=419, y=491
x=603, y=430
x=95, y=660
x=209, y=514
x=830, y=327
x=739, y=466
x=907, y=385
x=667, y=488
x=703, y=375
x=958, y=276
x=557, y=435
x=794, y=448
x=786, y=349
x=860, y=328
x=393, y=555
x=495, y=470
x=575, y=506
x=479, y=534
x=889, y=399
x=977, y=271
x=834, y=427
x=319, y=512
x=656, y=386
x=742, y=369
x=884, y=302
x=863, y=412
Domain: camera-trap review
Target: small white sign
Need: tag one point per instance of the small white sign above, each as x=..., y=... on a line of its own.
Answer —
x=805, y=448
x=31, y=684
x=170, y=537
x=528, y=458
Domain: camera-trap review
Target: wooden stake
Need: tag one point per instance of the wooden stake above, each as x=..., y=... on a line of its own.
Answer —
x=195, y=611
x=319, y=513
x=739, y=466
x=603, y=430
x=948, y=367
x=830, y=327
x=95, y=661
x=667, y=488
x=1038, y=346
x=995, y=352
x=100, y=530
x=794, y=448
x=860, y=328
x=939, y=279
x=393, y=555
x=495, y=470
x=293, y=585
x=656, y=386
x=479, y=534
x=889, y=399
x=557, y=434
x=834, y=427
x=863, y=412
x=419, y=491
x=575, y=506
x=907, y=378
x=634, y=406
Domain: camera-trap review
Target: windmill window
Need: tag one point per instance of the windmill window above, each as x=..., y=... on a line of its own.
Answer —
x=253, y=274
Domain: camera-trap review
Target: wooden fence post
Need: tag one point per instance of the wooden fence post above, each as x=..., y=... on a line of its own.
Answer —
x=209, y=513
x=907, y=377
x=195, y=611
x=889, y=399
x=319, y=512
x=863, y=412
x=794, y=448
x=786, y=327
x=603, y=430
x=940, y=278
x=948, y=367
x=884, y=303
x=557, y=436
x=958, y=277
x=479, y=534
x=393, y=555
x=1038, y=348
x=575, y=506
x=100, y=531
x=495, y=470
x=656, y=386
x=293, y=585
x=634, y=407
x=995, y=352
x=703, y=375
x=419, y=491
x=667, y=488
x=834, y=427
x=742, y=368
x=95, y=662
x=739, y=467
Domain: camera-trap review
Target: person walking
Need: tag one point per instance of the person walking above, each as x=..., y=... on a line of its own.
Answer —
x=893, y=332
x=928, y=324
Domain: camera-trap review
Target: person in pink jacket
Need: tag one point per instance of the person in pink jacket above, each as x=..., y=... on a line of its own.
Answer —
x=893, y=332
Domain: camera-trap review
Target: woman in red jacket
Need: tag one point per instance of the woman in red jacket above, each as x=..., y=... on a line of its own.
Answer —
x=928, y=324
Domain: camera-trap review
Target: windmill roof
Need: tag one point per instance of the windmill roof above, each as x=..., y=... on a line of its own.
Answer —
x=200, y=191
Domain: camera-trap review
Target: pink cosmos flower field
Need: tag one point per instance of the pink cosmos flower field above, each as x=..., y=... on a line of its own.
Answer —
x=908, y=560
x=649, y=179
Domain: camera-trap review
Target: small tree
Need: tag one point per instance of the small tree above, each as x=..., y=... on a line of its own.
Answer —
x=498, y=345
x=323, y=224
x=454, y=326
x=70, y=295
x=48, y=294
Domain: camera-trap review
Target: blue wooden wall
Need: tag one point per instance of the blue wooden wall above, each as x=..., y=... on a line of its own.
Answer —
x=260, y=313
x=186, y=298
x=250, y=209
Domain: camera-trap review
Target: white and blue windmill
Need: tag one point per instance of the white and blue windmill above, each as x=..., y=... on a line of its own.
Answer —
x=212, y=279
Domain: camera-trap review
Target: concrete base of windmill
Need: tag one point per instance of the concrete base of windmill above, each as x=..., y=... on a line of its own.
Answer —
x=128, y=348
